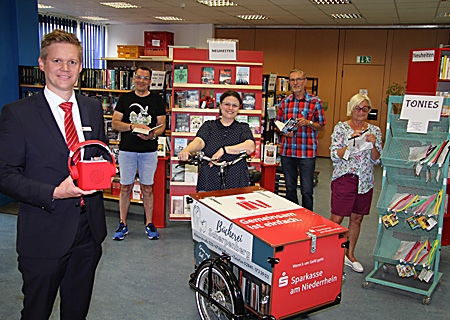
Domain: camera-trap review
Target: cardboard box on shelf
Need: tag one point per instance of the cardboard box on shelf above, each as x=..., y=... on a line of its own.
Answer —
x=129, y=51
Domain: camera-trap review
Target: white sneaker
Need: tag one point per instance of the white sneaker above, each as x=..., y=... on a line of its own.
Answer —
x=356, y=266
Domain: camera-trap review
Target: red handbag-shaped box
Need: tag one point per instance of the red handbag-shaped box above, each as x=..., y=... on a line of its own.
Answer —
x=92, y=174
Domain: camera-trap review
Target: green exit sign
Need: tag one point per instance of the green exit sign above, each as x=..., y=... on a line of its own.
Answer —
x=364, y=59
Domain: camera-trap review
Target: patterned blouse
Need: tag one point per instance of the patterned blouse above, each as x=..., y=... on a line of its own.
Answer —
x=360, y=164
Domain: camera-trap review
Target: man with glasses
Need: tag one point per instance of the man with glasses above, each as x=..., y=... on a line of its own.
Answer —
x=143, y=109
x=299, y=146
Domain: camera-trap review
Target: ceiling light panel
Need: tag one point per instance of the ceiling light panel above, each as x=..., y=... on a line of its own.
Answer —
x=44, y=6
x=252, y=17
x=120, y=5
x=217, y=3
x=93, y=18
x=346, y=16
x=167, y=18
x=331, y=2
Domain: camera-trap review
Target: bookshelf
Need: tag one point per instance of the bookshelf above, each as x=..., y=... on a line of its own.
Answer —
x=96, y=83
x=31, y=80
x=197, y=85
x=429, y=72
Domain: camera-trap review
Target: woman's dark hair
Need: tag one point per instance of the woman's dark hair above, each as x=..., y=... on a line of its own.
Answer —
x=231, y=93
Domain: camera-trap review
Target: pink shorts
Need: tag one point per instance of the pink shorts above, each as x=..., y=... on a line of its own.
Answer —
x=345, y=199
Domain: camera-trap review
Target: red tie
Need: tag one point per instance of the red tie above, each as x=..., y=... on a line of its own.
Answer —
x=71, y=132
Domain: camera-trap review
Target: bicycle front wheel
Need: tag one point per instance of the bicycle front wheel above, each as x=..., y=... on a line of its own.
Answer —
x=222, y=293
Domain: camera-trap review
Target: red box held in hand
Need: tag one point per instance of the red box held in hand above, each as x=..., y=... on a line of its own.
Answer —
x=92, y=174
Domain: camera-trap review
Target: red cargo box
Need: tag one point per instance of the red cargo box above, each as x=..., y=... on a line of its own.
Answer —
x=287, y=260
x=156, y=43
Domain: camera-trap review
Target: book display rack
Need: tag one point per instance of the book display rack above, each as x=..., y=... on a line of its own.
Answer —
x=411, y=208
x=197, y=86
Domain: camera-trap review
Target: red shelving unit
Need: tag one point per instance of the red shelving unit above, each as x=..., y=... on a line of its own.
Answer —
x=429, y=72
x=196, y=60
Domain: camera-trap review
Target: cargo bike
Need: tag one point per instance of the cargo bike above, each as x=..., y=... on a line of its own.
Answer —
x=260, y=256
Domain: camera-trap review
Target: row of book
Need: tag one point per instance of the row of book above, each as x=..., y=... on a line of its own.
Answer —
x=185, y=122
x=110, y=79
x=272, y=82
x=209, y=75
x=180, y=206
x=182, y=172
x=31, y=75
x=181, y=143
x=111, y=134
x=444, y=69
x=108, y=101
x=282, y=84
x=164, y=145
x=121, y=78
x=256, y=293
x=208, y=99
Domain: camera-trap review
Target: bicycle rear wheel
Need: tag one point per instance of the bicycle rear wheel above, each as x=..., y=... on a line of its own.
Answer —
x=223, y=293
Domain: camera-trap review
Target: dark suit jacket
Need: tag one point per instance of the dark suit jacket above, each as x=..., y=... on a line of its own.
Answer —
x=33, y=161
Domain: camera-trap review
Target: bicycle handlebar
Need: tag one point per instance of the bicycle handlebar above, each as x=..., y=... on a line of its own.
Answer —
x=197, y=158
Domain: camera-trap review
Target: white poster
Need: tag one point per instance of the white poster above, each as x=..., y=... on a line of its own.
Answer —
x=222, y=50
x=419, y=110
x=158, y=78
x=272, y=81
x=423, y=55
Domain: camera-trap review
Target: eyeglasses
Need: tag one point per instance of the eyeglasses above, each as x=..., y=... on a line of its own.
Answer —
x=227, y=104
x=297, y=79
x=364, y=109
x=145, y=78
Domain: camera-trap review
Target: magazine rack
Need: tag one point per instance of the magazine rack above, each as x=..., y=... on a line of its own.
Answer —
x=399, y=177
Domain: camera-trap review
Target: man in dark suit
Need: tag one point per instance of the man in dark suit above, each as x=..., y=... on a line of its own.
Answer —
x=60, y=227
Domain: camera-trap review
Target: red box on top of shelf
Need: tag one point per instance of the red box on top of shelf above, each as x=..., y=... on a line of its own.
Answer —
x=156, y=43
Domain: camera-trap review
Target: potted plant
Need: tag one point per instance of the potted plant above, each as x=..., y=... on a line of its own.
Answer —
x=395, y=89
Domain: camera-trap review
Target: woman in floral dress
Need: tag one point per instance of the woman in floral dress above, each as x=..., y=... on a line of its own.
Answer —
x=355, y=149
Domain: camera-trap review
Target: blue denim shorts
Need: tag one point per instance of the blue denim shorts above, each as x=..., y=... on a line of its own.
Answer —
x=144, y=162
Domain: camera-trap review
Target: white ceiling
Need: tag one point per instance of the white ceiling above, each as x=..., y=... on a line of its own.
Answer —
x=279, y=12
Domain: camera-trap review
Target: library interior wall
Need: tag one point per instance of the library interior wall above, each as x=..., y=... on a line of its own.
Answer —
x=194, y=35
x=324, y=53
x=20, y=45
